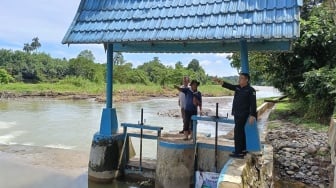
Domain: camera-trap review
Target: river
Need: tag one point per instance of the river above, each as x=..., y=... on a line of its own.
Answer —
x=70, y=125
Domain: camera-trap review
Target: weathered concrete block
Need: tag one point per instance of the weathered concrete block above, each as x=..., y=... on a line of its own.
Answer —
x=231, y=174
x=229, y=185
x=206, y=159
x=253, y=171
x=258, y=171
x=332, y=144
x=104, y=157
x=332, y=140
x=264, y=107
x=334, y=183
x=175, y=164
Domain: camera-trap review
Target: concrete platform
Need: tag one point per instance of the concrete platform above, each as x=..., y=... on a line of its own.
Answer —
x=147, y=170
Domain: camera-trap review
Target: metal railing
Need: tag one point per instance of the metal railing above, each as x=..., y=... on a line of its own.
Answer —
x=142, y=127
x=217, y=119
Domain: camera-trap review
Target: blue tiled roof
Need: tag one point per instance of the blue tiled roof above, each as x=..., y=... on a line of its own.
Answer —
x=104, y=21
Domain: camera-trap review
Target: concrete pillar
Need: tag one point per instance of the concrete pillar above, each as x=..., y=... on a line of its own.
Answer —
x=332, y=144
x=104, y=158
x=334, y=182
x=106, y=144
x=175, y=164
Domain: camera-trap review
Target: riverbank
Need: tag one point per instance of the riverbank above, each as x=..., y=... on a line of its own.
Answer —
x=121, y=92
x=301, y=155
x=33, y=166
x=69, y=162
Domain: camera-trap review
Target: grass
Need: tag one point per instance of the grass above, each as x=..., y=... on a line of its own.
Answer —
x=288, y=111
x=81, y=86
x=273, y=125
x=23, y=88
x=260, y=101
x=322, y=154
x=214, y=90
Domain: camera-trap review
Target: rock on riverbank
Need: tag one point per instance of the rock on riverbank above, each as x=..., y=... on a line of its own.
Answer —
x=300, y=154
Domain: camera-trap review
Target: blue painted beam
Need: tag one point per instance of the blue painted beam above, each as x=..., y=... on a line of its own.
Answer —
x=199, y=47
x=196, y=118
x=144, y=136
x=244, y=57
x=137, y=126
x=172, y=145
x=212, y=146
x=213, y=119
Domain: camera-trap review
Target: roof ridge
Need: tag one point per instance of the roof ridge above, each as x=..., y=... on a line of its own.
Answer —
x=186, y=16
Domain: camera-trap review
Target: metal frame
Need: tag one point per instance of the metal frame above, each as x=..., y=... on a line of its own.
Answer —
x=141, y=135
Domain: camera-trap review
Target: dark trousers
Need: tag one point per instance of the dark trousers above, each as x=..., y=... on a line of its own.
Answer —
x=183, y=114
x=239, y=133
x=188, y=125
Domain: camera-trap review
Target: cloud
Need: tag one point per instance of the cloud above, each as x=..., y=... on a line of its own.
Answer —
x=42, y=18
x=205, y=62
x=225, y=55
x=49, y=20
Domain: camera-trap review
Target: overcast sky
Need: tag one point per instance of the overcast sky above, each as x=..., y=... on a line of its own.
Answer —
x=22, y=20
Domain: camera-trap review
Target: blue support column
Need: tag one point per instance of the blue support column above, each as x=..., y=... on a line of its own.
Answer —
x=109, y=122
x=244, y=57
x=105, y=148
x=109, y=76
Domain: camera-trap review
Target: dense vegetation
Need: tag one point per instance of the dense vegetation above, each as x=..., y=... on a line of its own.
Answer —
x=20, y=66
x=307, y=74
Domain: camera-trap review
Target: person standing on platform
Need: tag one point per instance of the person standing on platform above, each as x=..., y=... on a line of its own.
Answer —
x=244, y=108
x=193, y=100
x=182, y=101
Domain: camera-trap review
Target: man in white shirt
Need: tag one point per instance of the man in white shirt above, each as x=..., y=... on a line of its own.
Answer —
x=182, y=101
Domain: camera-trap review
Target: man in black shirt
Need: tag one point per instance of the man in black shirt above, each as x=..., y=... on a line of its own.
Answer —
x=244, y=107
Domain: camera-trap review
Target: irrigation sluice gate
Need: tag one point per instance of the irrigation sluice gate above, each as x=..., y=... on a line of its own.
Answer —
x=179, y=163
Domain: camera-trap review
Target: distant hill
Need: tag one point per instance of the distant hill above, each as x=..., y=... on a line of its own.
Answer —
x=231, y=79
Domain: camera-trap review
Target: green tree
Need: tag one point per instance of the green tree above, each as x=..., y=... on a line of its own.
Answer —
x=196, y=71
x=5, y=78
x=154, y=69
x=194, y=65
x=307, y=73
x=138, y=76
x=35, y=43
x=118, y=58
x=179, y=65
x=235, y=61
x=298, y=74
x=82, y=67
x=257, y=64
x=27, y=47
x=122, y=73
x=87, y=54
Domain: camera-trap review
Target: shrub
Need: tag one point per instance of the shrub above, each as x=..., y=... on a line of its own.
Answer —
x=5, y=78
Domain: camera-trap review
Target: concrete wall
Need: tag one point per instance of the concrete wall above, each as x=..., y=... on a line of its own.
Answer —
x=253, y=171
x=258, y=171
x=175, y=165
x=264, y=107
x=332, y=144
x=206, y=159
x=104, y=158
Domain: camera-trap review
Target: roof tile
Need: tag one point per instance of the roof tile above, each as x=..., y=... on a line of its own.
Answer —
x=150, y=20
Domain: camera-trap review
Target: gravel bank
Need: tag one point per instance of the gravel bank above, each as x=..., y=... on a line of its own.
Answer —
x=300, y=155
